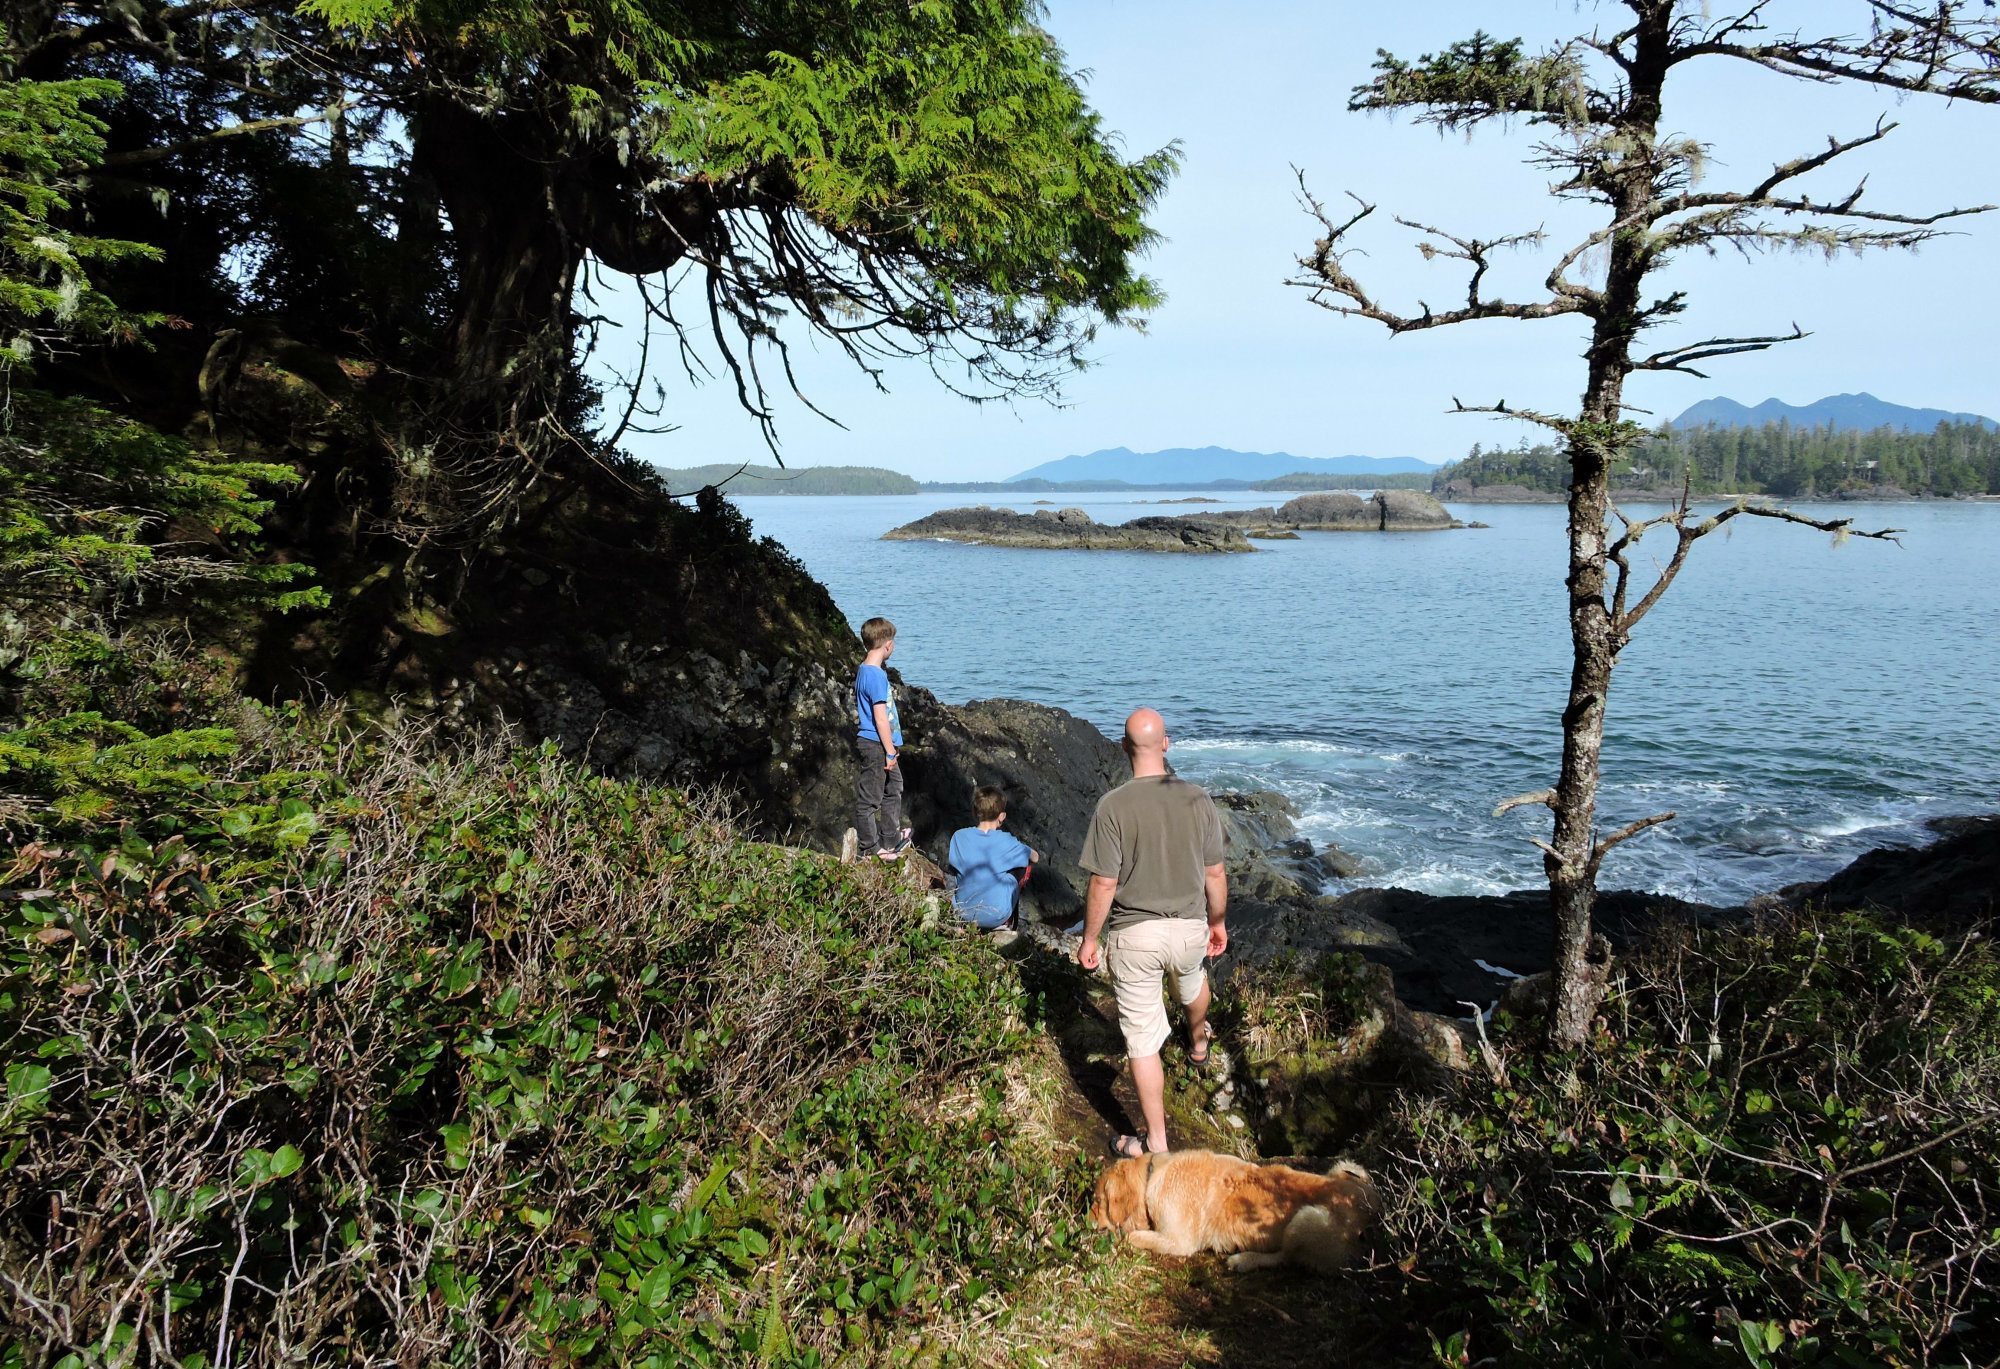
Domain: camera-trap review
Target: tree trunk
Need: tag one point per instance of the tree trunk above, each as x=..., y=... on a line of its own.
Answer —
x=1571, y=873
x=500, y=180
x=1580, y=965
x=493, y=408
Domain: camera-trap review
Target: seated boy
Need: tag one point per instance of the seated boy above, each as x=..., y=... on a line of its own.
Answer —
x=991, y=865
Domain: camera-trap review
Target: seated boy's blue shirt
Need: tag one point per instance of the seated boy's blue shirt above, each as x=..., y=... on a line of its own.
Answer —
x=985, y=862
x=871, y=687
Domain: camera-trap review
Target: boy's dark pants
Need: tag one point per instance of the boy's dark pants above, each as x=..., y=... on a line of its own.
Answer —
x=878, y=797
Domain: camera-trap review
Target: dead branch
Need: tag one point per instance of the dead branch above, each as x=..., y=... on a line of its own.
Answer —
x=1545, y=797
x=1688, y=535
x=1937, y=49
x=1504, y=410
x=1488, y=1057
x=140, y=155
x=1677, y=358
x=1624, y=834
x=1327, y=279
x=1550, y=852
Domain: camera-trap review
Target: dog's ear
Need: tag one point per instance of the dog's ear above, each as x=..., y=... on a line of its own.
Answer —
x=1103, y=1213
x=1121, y=1197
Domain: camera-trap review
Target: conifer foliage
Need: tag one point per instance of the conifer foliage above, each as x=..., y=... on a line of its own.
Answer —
x=426, y=188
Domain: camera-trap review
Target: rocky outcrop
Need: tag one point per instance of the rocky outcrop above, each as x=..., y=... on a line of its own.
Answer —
x=1220, y=530
x=1947, y=886
x=1068, y=530
x=1386, y=511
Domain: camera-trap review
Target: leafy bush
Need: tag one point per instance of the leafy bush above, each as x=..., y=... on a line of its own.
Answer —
x=1785, y=1151
x=364, y=1058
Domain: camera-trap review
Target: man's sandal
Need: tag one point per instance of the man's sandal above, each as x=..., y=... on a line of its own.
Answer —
x=1131, y=1147
x=1198, y=1046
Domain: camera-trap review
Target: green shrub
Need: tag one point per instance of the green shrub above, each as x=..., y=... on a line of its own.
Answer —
x=362, y=1057
x=1786, y=1151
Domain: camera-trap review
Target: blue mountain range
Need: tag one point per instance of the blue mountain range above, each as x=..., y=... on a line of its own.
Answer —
x=1196, y=465
x=1857, y=413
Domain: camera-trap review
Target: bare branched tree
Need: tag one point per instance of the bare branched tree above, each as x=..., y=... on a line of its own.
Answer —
x=1601, y=98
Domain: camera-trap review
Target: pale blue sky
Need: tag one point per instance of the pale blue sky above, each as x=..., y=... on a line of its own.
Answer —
x=1238, y=359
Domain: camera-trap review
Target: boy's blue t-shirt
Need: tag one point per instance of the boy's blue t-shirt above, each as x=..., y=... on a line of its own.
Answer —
x=985, y=862
x=871, y=687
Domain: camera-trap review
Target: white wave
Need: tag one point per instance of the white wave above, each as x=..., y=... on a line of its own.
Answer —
x=1328, y=823
x=1705, y=788
x=1439, y=878
x=1500, y=970
x=1293, y=745
x=1848, y=826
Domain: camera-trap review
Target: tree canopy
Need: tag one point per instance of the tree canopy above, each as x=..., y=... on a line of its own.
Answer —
x=433, y=191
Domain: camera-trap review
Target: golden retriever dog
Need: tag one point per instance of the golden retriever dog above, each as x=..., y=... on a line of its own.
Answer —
x=1183, y=1202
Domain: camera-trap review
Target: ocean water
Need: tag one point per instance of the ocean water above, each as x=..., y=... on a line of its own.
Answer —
x=1796, y=702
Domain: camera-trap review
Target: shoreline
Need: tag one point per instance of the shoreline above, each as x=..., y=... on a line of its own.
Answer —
x=1525, y=496
x=1447, y=950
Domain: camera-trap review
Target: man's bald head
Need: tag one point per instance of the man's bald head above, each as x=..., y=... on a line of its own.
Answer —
x=1146, y=742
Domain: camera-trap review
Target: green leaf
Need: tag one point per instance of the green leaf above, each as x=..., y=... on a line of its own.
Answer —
x=28, y=1090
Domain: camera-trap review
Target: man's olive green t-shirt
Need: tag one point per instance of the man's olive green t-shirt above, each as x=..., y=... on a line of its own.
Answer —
x=1156, y=836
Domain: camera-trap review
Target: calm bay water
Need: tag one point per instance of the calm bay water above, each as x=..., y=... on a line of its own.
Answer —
x=1794, y=701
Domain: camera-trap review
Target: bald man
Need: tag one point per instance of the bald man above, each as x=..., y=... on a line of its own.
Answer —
x=1158, y=897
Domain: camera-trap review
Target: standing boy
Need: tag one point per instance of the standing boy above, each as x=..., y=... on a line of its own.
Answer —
x=878, y=789
x=991, y=865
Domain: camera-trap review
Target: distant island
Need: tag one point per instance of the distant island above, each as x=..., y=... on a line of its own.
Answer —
x=1221, y=531
x=1178, y=469
x=1858, y=413
x=1192, y=467
x=1070, y=530
x=739, y=478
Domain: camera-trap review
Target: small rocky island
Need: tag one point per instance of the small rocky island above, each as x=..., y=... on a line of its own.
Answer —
x=1386, y=511
x=1071, y=529
x=1222, y=530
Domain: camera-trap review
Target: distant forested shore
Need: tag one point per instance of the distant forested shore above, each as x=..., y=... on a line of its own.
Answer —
x=740, y=478
x=1779, y=459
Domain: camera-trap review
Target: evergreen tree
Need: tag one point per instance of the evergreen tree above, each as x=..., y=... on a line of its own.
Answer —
x=425, y=188
x=1601, y=102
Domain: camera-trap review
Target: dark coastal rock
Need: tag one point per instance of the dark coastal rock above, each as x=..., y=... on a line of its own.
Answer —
x=1387, y=511
x=1434, y=944
x=1334, y=863
x=1947, y=886
x=1069, y=529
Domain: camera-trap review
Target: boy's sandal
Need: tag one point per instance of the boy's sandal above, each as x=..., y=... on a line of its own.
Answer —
x=1198, y=1047
x=1130, y=1147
